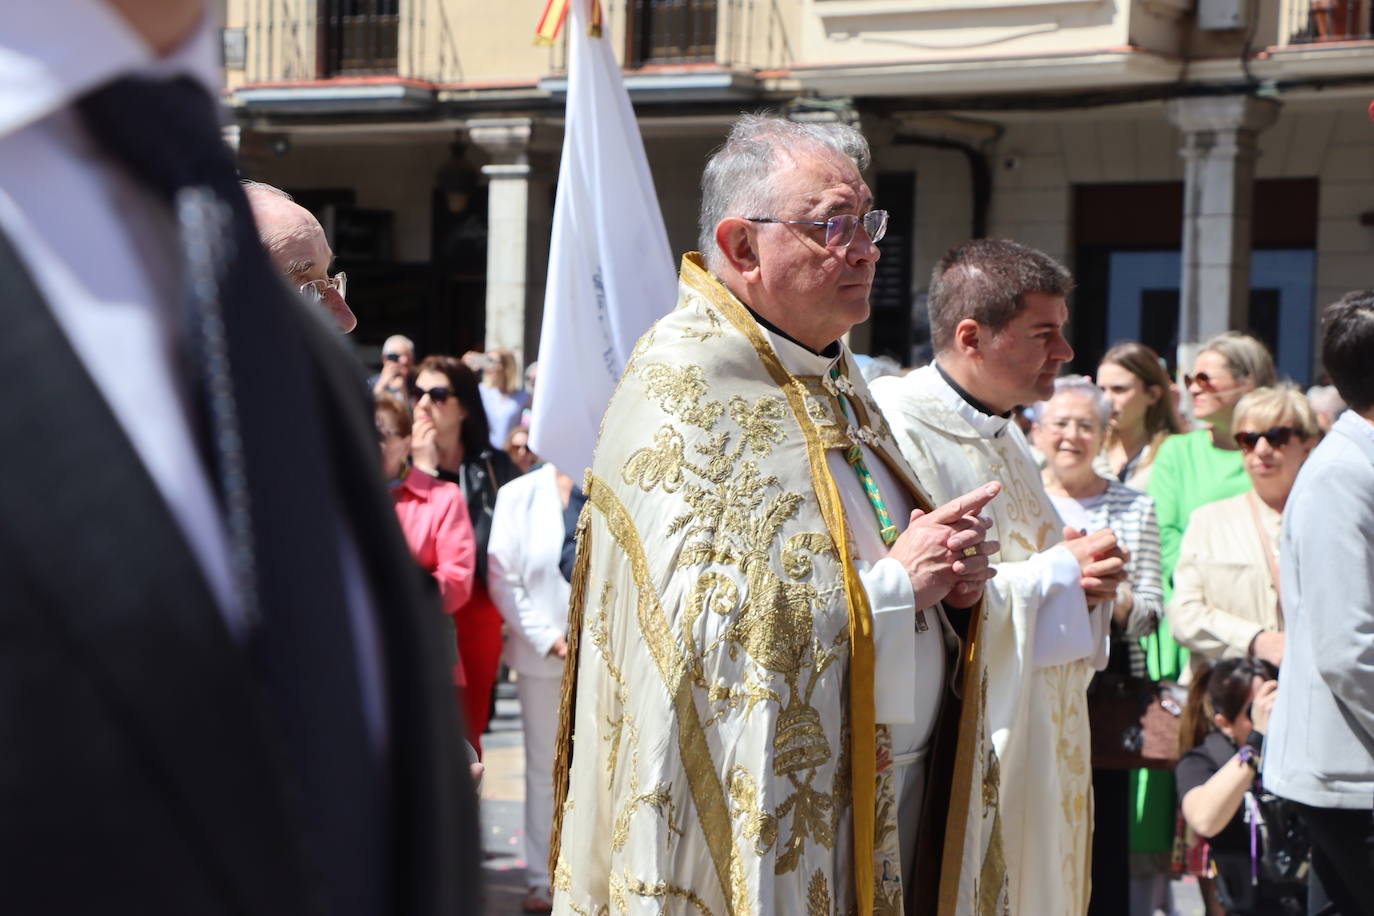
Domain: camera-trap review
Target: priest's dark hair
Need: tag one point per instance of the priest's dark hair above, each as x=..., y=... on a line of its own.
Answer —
x=475, y=431
x=1348, y=347
x=987, y=280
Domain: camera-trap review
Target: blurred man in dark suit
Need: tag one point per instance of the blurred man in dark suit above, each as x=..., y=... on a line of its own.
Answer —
x=220, y=686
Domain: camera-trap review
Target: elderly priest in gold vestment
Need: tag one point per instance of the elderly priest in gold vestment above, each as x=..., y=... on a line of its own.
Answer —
x=758, y=652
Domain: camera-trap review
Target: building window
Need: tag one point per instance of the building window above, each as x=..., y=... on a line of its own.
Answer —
x=358, y=36
x=1328, y=20
x=672, y=32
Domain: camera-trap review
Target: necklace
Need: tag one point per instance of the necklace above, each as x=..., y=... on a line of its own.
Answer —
x=854, y=456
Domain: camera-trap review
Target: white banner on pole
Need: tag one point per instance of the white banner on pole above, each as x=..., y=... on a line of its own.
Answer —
x=611, y=272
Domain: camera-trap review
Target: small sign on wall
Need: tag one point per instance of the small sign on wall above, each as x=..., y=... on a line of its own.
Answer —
x=235, y=48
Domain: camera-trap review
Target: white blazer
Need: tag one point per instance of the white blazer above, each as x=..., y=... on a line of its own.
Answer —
x=522, y=571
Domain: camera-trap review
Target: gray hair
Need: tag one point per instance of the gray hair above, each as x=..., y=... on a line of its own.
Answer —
x=402, y=340
x=1325, y=399
x=249, y=186
x=738, y=179
x=1082, y=386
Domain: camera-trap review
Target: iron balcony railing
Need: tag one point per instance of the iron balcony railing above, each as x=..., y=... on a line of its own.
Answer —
x=727, y=33
x=671, y=32
x=1310, y=21
x=306, y=40
x=358, y=37
x=303, y=40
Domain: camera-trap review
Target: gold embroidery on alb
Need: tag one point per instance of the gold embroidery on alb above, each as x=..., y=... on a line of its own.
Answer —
x=755, y=823
x=818, y=895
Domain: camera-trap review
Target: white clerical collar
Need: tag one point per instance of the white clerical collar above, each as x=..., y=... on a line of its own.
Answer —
x=986, y=425
x=797, y=359
x=52, y=52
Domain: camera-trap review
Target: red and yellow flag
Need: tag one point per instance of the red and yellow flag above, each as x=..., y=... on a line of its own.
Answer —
x=555, y=11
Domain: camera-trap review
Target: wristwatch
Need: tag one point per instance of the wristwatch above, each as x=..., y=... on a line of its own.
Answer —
x=1252, y=748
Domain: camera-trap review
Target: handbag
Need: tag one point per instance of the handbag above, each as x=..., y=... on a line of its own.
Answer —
x=1133, y=722
x=1191, y=854
x=1279, y=858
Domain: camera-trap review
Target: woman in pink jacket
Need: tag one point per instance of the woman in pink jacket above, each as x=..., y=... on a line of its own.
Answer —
x=433, y=516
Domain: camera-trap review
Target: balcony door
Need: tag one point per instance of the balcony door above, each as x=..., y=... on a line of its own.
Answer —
x=672, y=32
x=358, y=37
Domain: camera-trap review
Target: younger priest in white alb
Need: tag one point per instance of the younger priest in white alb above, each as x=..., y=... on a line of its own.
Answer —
x=997, y=313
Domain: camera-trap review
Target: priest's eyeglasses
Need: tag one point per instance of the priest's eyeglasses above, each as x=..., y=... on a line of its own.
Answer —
x=315, y=289
x=839, y=230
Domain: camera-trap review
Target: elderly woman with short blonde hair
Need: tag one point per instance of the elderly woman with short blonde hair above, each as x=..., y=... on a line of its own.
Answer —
x=1226, y=589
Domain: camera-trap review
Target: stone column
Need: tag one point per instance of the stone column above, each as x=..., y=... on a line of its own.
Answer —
x=519, y=218
x=1219, y=155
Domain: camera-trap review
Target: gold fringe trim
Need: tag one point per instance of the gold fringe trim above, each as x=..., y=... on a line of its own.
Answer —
x=567, y=697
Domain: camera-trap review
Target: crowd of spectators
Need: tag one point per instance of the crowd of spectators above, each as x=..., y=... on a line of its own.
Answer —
x=1193, y=481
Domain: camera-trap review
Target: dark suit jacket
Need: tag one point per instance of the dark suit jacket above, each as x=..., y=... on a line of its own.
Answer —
x=136, y=771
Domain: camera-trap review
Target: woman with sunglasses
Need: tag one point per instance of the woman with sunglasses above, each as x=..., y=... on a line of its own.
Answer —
x=1196, y=468
x=1226, y=583
x=451, y=442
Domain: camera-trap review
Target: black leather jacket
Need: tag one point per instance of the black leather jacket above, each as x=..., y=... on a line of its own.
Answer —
x=482, y=475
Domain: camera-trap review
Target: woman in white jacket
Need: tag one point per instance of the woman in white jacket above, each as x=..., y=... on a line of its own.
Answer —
x=524, y=580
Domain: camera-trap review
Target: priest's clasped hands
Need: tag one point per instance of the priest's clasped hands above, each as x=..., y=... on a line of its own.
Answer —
x=1101, y=559
x=935, y=550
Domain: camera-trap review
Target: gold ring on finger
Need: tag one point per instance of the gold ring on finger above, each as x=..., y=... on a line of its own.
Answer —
x=970, y=551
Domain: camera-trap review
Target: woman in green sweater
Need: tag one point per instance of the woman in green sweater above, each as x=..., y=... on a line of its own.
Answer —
x=1191, y=470
x=1203, y=466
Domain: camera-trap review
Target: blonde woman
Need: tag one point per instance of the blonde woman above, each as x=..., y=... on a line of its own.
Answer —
x=501, y=395
x=1226, y=588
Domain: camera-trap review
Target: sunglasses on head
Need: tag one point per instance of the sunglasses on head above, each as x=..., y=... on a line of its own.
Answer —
x=1277, y=437
x=438, y=394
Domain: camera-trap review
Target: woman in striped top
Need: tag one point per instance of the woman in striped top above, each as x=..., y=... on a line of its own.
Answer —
x=1069, y=429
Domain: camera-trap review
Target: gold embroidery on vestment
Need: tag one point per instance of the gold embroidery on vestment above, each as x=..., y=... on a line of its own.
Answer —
x=642, y=888
x=755, y=823
x=679, y=391
x=862, y=725
x=703, y=777
x=818, y=895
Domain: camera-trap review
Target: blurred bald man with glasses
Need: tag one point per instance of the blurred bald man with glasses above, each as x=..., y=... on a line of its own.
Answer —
x=222, y=683
x=295, y=242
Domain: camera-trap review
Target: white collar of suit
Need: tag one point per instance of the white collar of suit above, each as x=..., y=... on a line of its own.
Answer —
x=55, y=51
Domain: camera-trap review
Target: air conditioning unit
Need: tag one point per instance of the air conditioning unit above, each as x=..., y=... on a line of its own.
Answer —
x=1223, y=15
